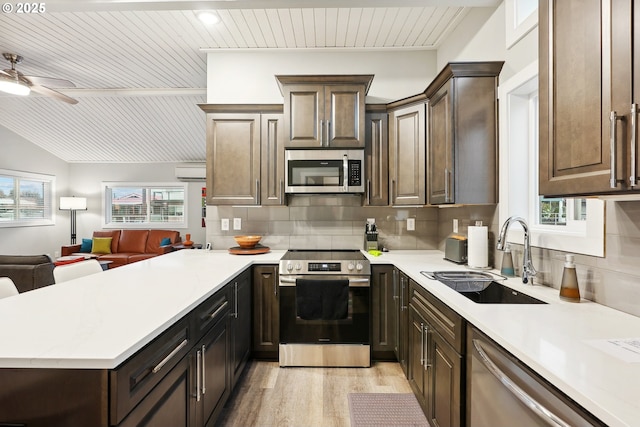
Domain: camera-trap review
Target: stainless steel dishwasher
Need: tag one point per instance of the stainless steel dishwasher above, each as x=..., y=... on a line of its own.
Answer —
x=502, y=391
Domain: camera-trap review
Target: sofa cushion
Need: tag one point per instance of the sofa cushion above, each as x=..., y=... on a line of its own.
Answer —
x=155, y=239
x=115, y=238
x=133, y=241
x=140, y=257
x=101, y=245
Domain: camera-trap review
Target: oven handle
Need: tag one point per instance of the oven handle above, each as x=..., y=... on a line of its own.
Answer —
x=354, y=283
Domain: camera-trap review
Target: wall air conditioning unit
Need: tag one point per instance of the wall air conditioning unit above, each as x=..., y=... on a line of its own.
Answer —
x=191, y=172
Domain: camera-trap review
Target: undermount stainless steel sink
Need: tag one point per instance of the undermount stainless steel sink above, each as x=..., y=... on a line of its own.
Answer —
x=497, y=293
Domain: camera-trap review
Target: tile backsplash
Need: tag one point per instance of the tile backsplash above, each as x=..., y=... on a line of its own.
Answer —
x=338, y=222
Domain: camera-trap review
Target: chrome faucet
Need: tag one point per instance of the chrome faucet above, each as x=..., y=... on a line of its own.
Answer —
x=527, y=265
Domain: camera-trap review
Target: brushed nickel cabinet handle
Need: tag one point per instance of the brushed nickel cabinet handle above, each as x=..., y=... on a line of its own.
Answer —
x=633, y=180
x=613, y=181
x=198, y=375
x=322, y=133
x=328, y=133
x=218, y=310
x=422, y=361
x=258, y=192
x=281, y=195
x=427, y=339
x=169, y=356
x=204, y=369
x=368, y=191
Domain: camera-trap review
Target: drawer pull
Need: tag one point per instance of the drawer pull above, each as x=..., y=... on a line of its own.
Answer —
x=169, y=356
x=218, y=310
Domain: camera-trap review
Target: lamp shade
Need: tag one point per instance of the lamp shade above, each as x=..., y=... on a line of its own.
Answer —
x=73, y=203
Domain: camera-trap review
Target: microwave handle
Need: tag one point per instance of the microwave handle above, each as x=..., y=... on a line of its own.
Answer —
x=345, y=171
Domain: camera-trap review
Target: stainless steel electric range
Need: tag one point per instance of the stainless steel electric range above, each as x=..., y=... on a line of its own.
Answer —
x=325, y=308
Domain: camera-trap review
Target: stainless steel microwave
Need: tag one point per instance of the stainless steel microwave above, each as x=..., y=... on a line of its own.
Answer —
x=324, y=171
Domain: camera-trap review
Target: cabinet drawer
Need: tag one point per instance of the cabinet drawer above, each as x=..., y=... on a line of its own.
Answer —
x=447, y=322
x=136, y=377
x=210, y=311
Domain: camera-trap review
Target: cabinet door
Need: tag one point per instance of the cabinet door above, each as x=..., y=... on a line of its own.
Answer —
x=233, y=159
x=383, y=312
x=575, y=97
x=266, y=312
x=407, y=155
x=240, y=324
x=344, y=116
x=169, y=404
x=441, y=145
x=303, y=113
x=417, y=367
x=272, y=159
x=403, y=323
x=377, y=159
x=211, y=362
x=445, y=408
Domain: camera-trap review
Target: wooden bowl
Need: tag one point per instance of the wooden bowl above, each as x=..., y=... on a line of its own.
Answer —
x=247, y=242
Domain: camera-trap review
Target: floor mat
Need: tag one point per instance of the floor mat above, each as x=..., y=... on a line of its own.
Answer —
x=385, y=409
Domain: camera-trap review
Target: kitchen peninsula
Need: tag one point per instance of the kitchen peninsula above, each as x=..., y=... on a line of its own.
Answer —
x=94, y=326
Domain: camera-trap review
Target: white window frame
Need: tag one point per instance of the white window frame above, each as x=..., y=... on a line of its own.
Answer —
x=106, y=206
x=521, y=16
x=519, y=175
x=50, y=194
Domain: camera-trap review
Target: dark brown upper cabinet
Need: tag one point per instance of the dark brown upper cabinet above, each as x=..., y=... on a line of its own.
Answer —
x=377, y=156
x=325, y=111
x=589, y=86
x=462, y=134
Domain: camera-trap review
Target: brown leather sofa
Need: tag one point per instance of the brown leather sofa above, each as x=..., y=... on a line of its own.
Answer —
x=28, y=272
x=129, y=246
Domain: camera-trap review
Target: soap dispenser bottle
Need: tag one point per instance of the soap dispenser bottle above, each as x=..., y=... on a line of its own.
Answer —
x=507, y=262
x=569, y=290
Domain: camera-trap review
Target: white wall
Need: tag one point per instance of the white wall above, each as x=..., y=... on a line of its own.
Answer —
x=86, y=179
x=248, y=76
x=17, y=153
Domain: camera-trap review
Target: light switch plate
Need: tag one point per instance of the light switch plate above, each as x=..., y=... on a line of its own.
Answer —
x=224, y=224
x=455, y=225
x=411, y=224
x=237, y=223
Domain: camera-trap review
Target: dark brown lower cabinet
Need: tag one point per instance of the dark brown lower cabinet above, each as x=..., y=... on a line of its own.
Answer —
x=401, y=298
x=435, y=366
x=182, y=378
x=383, y=316
x=266, y=312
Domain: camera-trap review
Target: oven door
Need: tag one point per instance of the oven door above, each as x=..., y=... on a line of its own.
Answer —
x=320, y=309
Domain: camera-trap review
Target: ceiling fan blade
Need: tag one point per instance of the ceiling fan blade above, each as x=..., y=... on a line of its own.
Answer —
x=49, y=81
x=5, y=73
x=54, y=94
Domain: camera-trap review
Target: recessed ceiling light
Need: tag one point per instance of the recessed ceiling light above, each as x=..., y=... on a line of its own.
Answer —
x=208, y=17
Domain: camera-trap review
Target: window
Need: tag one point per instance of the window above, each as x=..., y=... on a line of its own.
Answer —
x=25, y=199
x=521, y=17
x=155, y=205
x=572, y=225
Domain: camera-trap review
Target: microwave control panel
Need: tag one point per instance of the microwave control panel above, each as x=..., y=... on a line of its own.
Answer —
x=355, y=173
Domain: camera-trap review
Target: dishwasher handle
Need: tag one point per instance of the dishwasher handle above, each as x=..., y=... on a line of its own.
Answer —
x=540, y=410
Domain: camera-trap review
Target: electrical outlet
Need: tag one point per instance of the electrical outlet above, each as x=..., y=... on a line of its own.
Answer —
x=224, y=224
x=455, y=225
x=411, y=224
x=237, y=223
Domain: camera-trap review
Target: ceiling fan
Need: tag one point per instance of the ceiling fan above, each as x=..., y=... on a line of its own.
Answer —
x=14, y=82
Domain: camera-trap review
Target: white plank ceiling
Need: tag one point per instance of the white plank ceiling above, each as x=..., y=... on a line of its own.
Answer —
x=140, y=69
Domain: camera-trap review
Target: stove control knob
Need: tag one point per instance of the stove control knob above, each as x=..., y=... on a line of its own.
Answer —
x=350, y=266
x=298, y=266
x=289, y=266
x=359, y=266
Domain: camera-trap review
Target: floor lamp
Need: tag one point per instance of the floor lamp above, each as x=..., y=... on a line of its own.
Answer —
x=73, y=204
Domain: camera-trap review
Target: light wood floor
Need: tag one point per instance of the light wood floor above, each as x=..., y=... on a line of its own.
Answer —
x=268, y=395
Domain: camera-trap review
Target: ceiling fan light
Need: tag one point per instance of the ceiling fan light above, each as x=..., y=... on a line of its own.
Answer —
x=208, y=17
x=14, y=88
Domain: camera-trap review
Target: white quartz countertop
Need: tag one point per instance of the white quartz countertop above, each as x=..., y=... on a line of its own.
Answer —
x=99, y=321
x=552, y=339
